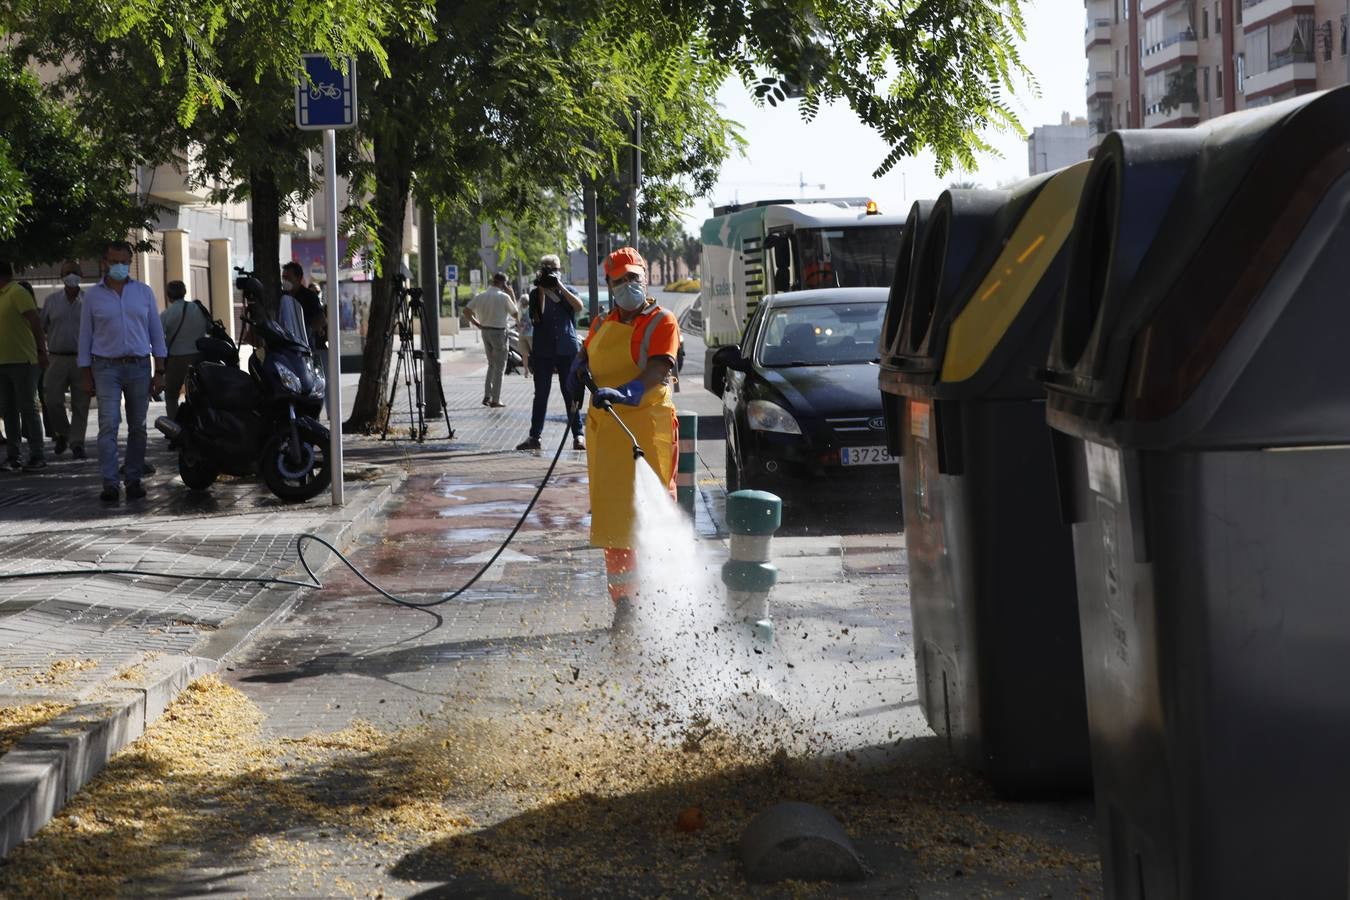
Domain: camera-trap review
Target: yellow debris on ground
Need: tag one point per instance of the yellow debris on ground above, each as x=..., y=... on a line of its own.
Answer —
x=63, y=670
x=16, y=721
x=557, y=801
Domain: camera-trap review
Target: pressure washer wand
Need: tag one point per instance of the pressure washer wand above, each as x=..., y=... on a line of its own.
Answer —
x=589, y=381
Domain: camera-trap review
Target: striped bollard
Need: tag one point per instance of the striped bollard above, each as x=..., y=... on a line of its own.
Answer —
x=752, y=518
x=686, y=463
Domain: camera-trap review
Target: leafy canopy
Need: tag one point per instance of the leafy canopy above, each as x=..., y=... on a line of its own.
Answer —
x=60, y=190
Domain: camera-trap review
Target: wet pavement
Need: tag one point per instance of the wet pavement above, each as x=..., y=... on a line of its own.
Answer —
x=524, y=658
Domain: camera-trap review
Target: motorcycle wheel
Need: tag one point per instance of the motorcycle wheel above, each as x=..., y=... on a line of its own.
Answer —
x=291, y=484
x=197, y=472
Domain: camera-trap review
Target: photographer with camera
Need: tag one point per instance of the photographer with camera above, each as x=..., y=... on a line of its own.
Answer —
x=553, y=313
x=490, y=312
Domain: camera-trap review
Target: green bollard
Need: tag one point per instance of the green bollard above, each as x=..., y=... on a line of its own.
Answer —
x=687, y=462
x=752, y=518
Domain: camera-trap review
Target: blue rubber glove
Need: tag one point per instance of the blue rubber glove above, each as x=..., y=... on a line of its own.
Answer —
x=629, y=394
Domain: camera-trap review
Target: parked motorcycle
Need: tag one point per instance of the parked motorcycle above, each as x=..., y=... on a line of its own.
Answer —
x=264, y=421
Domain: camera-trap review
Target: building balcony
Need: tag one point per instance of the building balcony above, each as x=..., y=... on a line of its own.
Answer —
x=1287, y=75
x=1098, y=31
x=1257, y=12
x=1148, y=7
x=1176, y=117
x=170, y=182
x=1178, y=48
x=1099, y=84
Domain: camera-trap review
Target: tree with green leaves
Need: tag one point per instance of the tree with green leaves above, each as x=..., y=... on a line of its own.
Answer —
x=537, y=94
x=494, y=109
x=223, y=107
x=61, y=191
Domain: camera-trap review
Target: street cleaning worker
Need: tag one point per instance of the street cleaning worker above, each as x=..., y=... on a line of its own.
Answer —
x=631, y=355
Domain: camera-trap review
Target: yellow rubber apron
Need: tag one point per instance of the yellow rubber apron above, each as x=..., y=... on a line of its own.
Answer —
x=609, y=452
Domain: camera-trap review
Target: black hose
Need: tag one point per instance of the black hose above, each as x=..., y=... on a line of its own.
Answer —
x=313, y=581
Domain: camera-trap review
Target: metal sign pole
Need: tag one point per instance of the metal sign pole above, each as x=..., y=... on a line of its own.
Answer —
x=331, y=264
x=325, y=100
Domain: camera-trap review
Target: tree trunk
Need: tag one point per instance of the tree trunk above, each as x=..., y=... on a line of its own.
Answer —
x=265, y=230
x=393, y=179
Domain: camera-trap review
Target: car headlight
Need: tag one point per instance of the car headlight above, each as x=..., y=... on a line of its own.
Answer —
x=764, y=415
x=289, y=380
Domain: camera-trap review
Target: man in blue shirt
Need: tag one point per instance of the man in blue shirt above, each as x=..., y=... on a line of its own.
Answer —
x=120, y=331
x=553, y=311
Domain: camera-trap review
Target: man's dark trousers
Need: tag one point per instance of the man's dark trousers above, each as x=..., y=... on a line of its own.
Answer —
x=544, y=369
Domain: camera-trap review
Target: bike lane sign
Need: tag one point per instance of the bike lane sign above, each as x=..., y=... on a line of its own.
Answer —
x=327, y=98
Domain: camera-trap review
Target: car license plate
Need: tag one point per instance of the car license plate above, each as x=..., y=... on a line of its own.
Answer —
x=864, y=456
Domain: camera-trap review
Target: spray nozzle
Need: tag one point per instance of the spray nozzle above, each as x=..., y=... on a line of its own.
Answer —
x=587, y=379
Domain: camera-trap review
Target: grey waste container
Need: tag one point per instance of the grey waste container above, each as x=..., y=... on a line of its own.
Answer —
x=1198, y=380
x=991, y=561
x=889, y=345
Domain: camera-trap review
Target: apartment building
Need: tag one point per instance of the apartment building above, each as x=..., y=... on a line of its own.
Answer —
x=1175, y=63
x=1051, y=147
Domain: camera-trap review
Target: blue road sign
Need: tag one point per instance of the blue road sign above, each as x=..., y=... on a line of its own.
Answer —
x=327, y=99
x=452, y=273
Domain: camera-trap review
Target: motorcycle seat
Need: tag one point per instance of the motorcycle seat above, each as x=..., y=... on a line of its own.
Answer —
x=225, y=387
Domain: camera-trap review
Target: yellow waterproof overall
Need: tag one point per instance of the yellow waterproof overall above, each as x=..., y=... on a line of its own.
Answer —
x=609, y=452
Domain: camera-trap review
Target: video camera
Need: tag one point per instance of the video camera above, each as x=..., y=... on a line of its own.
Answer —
x=247, y=282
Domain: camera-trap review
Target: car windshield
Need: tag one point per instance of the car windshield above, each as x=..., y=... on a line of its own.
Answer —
x=847, y=257
x=824, y=335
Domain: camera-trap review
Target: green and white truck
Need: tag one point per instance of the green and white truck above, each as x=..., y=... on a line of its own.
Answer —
x=775, y=246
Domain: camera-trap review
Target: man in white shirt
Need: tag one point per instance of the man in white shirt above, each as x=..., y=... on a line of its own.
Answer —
x=121, y=354
x=61, y=323
x=491, y=311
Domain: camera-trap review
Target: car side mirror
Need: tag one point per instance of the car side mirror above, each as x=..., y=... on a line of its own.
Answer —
x=730, y=357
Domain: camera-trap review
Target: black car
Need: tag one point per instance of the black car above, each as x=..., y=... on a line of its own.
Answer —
x=801, y=401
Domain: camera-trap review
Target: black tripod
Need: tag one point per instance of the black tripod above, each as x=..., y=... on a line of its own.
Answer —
x=407, y=306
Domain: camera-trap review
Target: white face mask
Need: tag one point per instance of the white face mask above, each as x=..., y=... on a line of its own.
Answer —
x=629, y=295
x=71, y=280
x=287, y=285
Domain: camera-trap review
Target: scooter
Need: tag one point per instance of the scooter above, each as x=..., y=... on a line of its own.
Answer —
x=264, y=421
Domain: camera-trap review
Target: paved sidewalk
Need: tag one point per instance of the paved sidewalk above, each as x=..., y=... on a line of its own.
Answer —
x=93, y=660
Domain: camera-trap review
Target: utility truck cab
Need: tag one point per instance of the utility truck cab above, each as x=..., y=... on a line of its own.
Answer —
x=777, y=246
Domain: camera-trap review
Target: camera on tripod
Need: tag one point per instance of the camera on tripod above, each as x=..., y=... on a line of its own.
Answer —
x=247, y=283
x=408, y=363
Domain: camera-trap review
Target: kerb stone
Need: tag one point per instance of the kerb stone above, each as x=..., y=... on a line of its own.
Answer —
x=801, y=842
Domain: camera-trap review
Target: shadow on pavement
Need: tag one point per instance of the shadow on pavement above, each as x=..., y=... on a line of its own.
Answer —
x=923, y=826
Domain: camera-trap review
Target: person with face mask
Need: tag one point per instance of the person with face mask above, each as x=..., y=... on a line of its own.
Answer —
x=315, y=313
x=184, y=322
x=630, y=354
x=61, y=322
x=552, y=314
x=120, y=333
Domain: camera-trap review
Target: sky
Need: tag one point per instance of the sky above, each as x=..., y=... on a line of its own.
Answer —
x=838, y=151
